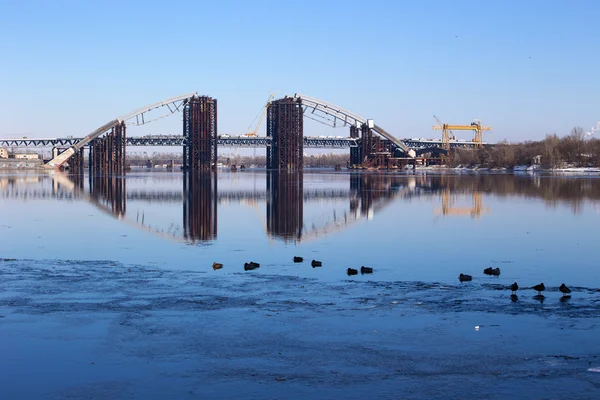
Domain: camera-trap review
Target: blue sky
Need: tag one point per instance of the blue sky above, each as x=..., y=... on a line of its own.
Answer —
x=527, y=68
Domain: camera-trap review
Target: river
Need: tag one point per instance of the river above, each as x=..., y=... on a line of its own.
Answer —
x=107, y=286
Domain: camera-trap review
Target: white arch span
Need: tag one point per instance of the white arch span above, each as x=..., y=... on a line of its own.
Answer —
x=174, y=104
x=325, y=111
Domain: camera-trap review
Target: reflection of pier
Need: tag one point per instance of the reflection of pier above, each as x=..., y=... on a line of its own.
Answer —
x=285, y=204
x=200, y=206
x=109, y=191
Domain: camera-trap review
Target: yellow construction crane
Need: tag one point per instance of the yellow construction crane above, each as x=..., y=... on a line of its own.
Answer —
x=447, y=130
x=254, y=133
x=445, y=133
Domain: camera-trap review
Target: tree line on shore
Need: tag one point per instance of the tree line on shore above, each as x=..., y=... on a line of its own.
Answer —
x=573, y=150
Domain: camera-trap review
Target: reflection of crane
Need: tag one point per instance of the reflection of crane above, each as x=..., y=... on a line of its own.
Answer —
x=475, y=211
x=254, y=132
x=474, y=126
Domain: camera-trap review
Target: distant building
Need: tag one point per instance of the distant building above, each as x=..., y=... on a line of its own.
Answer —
x=3, y=153
x=24, y=156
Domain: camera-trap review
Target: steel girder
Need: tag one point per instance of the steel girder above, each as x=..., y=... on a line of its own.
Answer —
x=176, y=140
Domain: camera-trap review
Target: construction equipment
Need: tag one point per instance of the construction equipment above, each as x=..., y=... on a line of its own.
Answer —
x=254, y=133
x=447, y=131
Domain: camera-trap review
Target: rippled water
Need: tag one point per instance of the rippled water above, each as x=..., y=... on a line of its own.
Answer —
x=107, y=288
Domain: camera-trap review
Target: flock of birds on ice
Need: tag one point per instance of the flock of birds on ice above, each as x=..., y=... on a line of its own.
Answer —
x=566, y=292
x=249, y=266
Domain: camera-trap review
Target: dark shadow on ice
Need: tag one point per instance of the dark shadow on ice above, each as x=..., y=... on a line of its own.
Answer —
x=565, y=299
x=540, y=298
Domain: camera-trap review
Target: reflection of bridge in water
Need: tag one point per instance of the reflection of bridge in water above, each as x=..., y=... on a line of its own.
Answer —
x=285, y=197
x=366, y=195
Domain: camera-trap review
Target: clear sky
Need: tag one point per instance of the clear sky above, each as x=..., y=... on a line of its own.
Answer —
x=527, y=68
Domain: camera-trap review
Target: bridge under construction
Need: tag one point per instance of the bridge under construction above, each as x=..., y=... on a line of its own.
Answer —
x=371, y=146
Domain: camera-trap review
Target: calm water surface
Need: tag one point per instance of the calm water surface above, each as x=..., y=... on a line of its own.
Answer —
x=107, y=288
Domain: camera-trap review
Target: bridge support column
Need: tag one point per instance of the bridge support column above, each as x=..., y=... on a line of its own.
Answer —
x=107, y=154
x=119, y=134
x=200, y=133
x=285, y=204
x=76, y=164
x=286, y=130
x=90, y=157
x=366, y=143
x=200, y=206
x=355, y=151
x=375, y=152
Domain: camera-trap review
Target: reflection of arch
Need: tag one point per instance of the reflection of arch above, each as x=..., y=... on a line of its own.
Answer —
x=200, y=206
x=110, y=196
x=173, y=104
x=369, y=194
x=285, y=203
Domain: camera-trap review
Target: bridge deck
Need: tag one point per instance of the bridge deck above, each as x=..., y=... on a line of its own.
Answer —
x=224, y=141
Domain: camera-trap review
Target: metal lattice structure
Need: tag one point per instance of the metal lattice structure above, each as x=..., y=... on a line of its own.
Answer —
x=286, y=129
x=285, y=203
x=200, y=206
x=200, y=133
x=354, y=151
x=107, y=154
x=179, y=140
x=76, y=163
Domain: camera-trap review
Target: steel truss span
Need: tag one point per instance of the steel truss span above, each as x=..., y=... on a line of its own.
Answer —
x=226, y=141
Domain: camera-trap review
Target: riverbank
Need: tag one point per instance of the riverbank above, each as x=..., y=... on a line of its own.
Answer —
x=19, y=164
x=518, y=169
